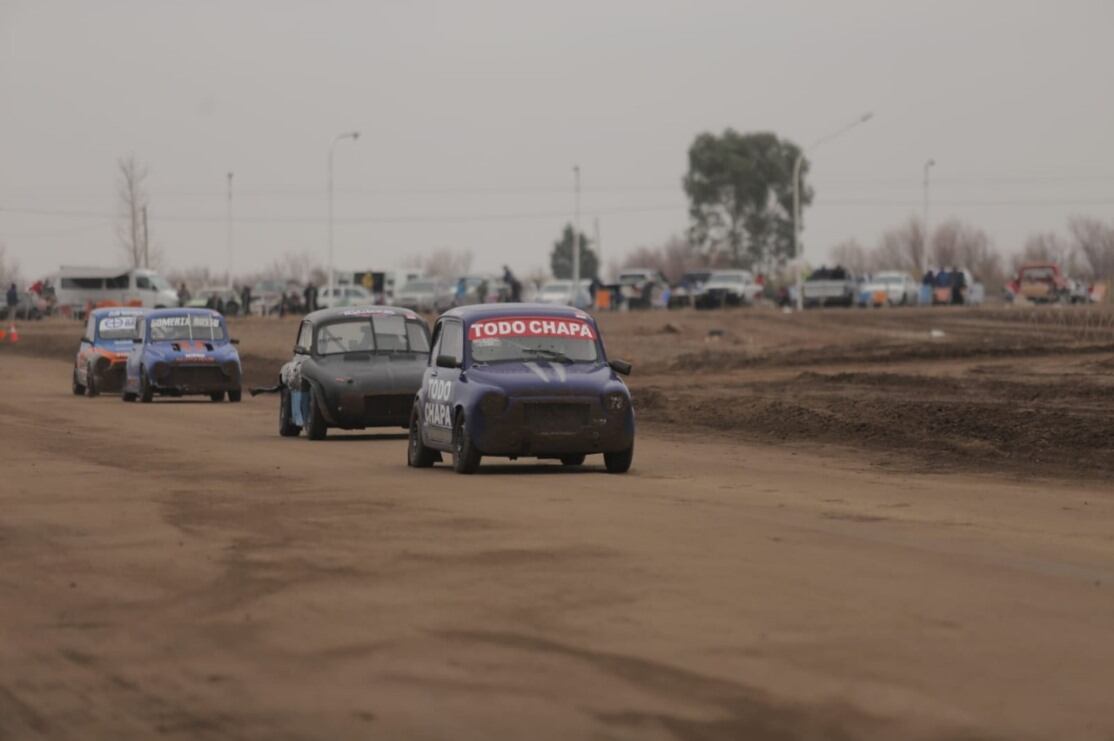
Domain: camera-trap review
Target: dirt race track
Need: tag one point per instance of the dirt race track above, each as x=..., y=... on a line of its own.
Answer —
x=847, y=525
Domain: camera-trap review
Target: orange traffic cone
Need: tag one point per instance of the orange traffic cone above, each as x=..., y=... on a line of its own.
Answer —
x=13, y=334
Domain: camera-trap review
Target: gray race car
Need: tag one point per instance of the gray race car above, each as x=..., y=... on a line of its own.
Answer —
x=353, y=368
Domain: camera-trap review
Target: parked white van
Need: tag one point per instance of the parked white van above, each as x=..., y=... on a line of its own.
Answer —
x=79, y=288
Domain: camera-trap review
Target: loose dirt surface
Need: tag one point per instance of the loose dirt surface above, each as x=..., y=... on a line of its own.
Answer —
x=841, y=525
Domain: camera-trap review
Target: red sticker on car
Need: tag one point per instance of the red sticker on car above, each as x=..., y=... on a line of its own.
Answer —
x=573, y=329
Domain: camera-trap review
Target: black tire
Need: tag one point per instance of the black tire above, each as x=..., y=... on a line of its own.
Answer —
x=235, y=395
x=466, y=459
x=619, y=462
x=91, y=389
x=287, y=428
x=417, y=454
x=316, y=426
x=78, y=389
x=126, y=395
x=216, y=396
x=146, y=392
x=573, y=460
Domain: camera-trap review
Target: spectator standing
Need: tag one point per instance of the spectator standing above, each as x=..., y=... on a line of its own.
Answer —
x=310, y=296
x=13, y=301
x=183, y=294
x=512, y=284
x=245, y=300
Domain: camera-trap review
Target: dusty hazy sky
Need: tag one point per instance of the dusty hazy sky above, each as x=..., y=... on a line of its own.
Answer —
x=473, y=114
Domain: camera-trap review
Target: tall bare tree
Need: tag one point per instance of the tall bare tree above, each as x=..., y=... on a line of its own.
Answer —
x=902, y=248
x=851, y=255
x=959, y=244
x=1095, y=241
x=9, y=269
x=132, y=199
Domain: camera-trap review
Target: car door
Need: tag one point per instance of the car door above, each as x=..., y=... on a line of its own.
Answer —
x=440, y=392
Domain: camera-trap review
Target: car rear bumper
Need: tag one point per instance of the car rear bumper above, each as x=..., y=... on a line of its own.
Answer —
x=546, y=427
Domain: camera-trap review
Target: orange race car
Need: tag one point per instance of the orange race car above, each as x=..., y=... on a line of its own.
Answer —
x=102, y=357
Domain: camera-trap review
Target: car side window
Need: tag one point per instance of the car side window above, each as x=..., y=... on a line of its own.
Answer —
x=305, y=337
x=435, y=344
x=452, y=340
x=90, y=329
x=142, y=281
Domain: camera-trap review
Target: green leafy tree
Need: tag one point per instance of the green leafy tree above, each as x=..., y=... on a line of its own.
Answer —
x=740, y=189
x=560, y=259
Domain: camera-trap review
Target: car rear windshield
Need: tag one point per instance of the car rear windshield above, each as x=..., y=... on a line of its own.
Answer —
x=559, y=339
x=186, y=327
x=375, y=333
x=116, y=327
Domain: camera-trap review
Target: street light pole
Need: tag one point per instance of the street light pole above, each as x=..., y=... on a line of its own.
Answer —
x=576, y=237
x=228, y=231
x=924, y=256
x=797, y=196
x=353, y=135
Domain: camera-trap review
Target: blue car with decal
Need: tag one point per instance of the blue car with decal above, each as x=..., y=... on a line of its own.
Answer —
x=103, y=353
x=521, y=380
x=179, y=352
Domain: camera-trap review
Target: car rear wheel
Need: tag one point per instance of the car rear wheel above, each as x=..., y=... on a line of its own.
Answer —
x=466, y=459
x=216, y=396
x=146, y=392
x=287, y=428
x=573, y=460
x=91, y=389
x=235, y=395
x=316, y=426
x=78, y=389
x=126, y=395
x=619, y=462
x=417, y=454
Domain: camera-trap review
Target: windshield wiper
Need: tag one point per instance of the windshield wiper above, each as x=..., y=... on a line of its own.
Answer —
x=560, y=357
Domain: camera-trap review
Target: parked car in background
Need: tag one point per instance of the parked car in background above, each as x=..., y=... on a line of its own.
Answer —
x=425, y=294
x=346, y=295
x=275, y=296
x=30, y=306
x=77, y=288
x=480, y=289
x=830, y=287
x=224, y=299
x=889, y=288
x=728, y=288
x=102, y=356
x=560, y=292
x=685, y=290
x=956, y=287
x=642, y=288
x=1044, y=283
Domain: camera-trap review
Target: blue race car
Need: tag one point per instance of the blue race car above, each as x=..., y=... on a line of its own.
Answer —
x=178, y=352
x=103, y=353
x=521, y=380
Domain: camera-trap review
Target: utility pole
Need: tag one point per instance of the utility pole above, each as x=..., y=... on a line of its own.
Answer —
x=228, y=232
x=146, y=241
x=353, y=135
x=597, y=242
x=576, y=237
x=797, y=198
x=924, y=256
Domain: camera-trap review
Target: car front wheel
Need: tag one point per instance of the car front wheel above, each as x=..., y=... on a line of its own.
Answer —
x=78, y=389
x=417, y=454
x=316, y=426
x=146, y=392
x=619, y=462
x=466, y=458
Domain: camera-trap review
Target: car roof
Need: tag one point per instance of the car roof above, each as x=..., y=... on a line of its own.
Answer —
x=156, y=313
x=476, y=312
x=340, y=312
x=118, y=311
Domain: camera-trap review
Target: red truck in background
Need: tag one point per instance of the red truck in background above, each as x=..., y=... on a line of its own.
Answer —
x=1045, y=283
